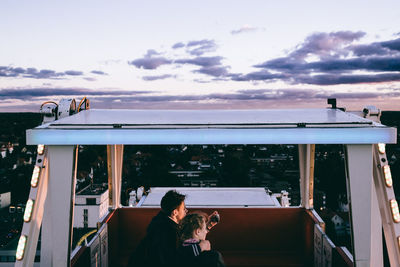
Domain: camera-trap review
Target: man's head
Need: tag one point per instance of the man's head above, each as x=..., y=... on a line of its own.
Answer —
x=173, y=204
x=194, y=226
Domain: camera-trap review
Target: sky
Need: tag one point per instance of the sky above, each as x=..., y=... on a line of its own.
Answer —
x=200, y=54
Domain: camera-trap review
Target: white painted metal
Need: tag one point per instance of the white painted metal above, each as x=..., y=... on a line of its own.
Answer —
x=318, y=245
x=313, y=126
x=115, y=155
x=306, y=168
x=57, y=223
x=31, y=229
x=384, y=195
x=212, y=136
x=204, y=117
x=359, y=172
x=213, y=197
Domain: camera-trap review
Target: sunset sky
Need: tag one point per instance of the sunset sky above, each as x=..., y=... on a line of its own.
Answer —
x=200, y=54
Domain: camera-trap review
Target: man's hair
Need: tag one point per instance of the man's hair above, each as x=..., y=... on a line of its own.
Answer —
x=171, y=200
x=190, y=223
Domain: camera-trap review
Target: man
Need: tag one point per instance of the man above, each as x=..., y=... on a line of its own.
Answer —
x=159, y=247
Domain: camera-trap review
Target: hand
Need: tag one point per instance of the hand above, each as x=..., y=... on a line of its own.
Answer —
x=213, y=219
x=205, y=245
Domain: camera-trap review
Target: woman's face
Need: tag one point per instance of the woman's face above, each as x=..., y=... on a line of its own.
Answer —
x=202, y=232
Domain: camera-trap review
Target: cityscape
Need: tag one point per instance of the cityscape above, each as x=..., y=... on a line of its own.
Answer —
x=273, y=167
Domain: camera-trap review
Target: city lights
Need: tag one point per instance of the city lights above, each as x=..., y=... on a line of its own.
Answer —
x=395, y=210
x=40, y=149
x=35, y=176
x=28, y=210
x=21, y=248
x=388, y=176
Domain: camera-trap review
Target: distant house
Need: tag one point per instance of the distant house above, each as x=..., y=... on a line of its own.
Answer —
x=91, y=204
x=5, y=200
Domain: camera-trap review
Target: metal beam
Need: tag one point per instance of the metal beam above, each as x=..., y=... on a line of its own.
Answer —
x=385, y=193
x=31, y=228
x=306, y=166
x=58, y=219
x=115, y=158
x=361, y=194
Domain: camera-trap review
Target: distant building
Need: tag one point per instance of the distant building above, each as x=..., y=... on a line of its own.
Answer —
x=5, y=200
x=91, y=204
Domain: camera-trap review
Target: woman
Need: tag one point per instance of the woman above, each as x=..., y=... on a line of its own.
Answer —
x=195, y=249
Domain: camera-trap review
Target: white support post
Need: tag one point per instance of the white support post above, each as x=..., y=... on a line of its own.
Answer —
x=31, y=228
x=306, y=166
x=385, y=193
x=115, y=155
x=366, y=230
x=58, y=218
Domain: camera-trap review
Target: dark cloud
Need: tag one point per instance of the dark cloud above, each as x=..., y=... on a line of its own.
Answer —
x=215, y=71
x=178, y=45
x=257, y=95
x=201, y=61
x=331, y=79
x=390, y=63
x=74, y=73
x=149, y=62
x=28, y=93
x=324, y=44
x=98, y=72
x=199, y=47
x=125, y=99
x=6, y=71
x=157, y=77
x=335, y=59
x=256, y=76
x=392, y=44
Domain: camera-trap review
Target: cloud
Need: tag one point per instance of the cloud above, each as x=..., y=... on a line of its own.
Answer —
x=149, y=62
x=6, y=71
x=215, y=71
x=178, y=45
x=38, y=92
x=244, y=29
x=74, y=73
x=200, y=47
x=325, y=44
x=246, y=98
x=262, y=75
x=201, y=61
x=332, y=79
x=158, y=77
x=98, y=72
x=332, y=58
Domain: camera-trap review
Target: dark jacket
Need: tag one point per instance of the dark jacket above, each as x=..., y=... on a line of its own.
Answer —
x=159, y=247
x=190, y=254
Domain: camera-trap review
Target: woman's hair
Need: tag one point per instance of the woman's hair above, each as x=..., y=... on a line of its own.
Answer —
x=191, y=222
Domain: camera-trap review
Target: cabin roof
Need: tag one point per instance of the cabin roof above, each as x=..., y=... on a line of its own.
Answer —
x=214, y=197
x=285, y=126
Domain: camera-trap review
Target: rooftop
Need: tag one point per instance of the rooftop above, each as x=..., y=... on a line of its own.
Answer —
x=214, y=197
x=295, y=126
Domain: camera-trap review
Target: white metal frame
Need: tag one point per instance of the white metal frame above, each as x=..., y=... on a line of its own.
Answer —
x=384, y=195
x=32, y=228
x=115, y=155
x=358, y=140
x=306, y=168
x=58, y=219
